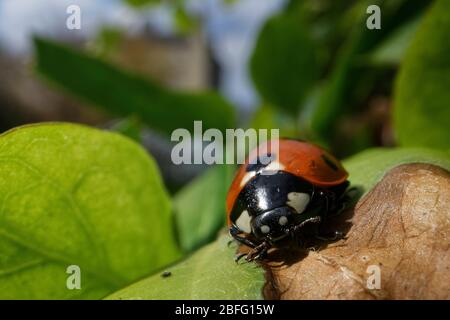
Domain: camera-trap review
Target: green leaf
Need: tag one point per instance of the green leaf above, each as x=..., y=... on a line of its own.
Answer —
x=184, y=23
x=422, y=94
x=210, y=273
x=72, y=195
x=329, y=105
x=368, y=167
x=348, y=84
x=129, y=127
x=267, y=117
x=283, y=65
x=392, y=50
x=125, y=94
x=200, y=207
x=142, y=3
x=107, y=41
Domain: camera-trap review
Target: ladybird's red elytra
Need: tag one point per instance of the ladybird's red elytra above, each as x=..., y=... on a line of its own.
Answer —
x=305, y=184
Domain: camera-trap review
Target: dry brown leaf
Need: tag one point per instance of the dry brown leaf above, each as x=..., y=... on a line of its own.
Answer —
x=402, y=226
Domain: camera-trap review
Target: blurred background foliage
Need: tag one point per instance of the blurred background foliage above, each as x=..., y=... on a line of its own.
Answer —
x=313, y=70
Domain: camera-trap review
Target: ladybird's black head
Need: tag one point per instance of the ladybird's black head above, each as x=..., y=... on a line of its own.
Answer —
x=273, y=224
x=270, y=205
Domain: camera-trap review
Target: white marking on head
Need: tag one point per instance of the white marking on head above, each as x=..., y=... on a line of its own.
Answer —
x=265, y=229
x=283, y=220
x=298, y=201
x=243, y=222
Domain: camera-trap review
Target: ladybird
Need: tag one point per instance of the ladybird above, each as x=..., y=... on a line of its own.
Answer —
x=269, y=201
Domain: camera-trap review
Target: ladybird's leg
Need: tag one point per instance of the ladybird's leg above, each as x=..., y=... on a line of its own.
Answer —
x=345, y=199
x=339, y=205
x=343, y=202
x=262, y=254
x=234, y=232
x=239, y=257
x=349, y=197
x=316, y=219
x=336, y=235
x=294, y=230
x=258, y=252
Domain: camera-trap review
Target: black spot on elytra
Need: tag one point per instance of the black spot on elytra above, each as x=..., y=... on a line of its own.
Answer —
x=330, y=163
x=259, y=165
